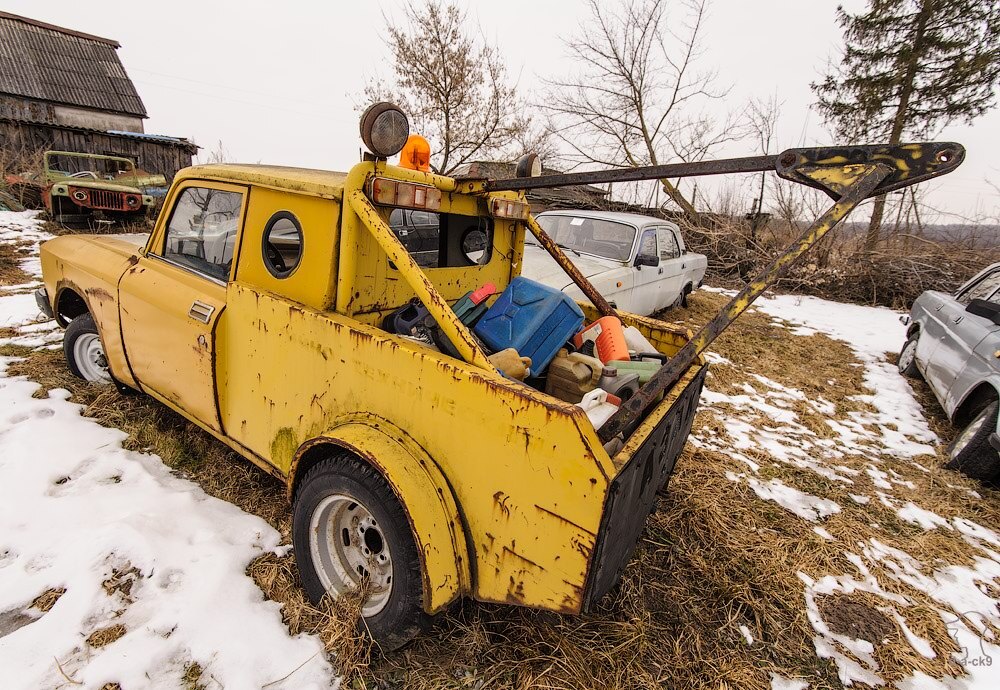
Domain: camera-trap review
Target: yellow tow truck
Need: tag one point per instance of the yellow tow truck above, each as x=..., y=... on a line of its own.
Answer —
x=256, y=307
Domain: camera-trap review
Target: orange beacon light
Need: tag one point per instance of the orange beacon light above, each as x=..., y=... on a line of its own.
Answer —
x=416, y=154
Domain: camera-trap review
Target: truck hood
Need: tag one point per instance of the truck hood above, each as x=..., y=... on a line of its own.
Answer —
x=123, y=243
x=540, y=266
x=97, y=184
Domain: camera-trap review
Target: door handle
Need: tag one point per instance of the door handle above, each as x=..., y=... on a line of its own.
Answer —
x=958, y=319
x=200, y=311
x=661, y=271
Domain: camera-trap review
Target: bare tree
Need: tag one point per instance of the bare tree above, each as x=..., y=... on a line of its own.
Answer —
x=638, y=97
x=455, y=88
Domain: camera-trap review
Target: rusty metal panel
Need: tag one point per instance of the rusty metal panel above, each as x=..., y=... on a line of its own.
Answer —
x=527, y=470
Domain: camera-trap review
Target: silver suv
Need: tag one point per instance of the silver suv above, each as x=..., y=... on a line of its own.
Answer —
x=953, y=341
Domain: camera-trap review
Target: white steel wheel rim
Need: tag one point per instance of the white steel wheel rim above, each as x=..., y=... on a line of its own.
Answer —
x=90, y=359
x=968, y=433
x=348, y=547
x=906, y=356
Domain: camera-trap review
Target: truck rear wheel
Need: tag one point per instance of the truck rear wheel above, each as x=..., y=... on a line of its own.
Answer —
x=84, y=351
x=349, y=530
x=971, y=453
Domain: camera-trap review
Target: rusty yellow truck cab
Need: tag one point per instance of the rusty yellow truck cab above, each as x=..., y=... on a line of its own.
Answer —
x=257, y=308
x=254, y=309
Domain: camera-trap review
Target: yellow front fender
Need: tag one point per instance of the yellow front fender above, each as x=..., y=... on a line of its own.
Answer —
x=424, y=494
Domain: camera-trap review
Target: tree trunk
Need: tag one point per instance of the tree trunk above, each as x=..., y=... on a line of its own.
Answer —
x=899, y=122
x=686, y=206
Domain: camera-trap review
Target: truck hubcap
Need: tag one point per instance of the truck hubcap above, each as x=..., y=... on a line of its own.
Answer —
x=90, y=359
x=348, y=548
x=968, y=433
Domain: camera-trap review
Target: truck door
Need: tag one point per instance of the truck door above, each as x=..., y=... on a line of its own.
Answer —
x=173, y=299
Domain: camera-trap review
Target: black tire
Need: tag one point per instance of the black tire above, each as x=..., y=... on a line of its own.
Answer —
x=971, y=453
x=402, y=617
x=78, y=327
x=907, y=363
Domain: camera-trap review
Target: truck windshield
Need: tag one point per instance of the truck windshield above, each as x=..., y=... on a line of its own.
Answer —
x=92, y=167
x=605, y=238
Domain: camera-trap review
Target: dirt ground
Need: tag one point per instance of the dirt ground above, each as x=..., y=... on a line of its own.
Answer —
x=714, y=596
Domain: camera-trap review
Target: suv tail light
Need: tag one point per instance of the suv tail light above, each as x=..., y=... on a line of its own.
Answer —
x=386, y=192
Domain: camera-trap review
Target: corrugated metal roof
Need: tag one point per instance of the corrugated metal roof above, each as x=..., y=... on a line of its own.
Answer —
x=50, y=63
x=179, y=142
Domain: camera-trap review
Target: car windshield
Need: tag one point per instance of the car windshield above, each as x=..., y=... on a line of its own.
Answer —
x=606, y=238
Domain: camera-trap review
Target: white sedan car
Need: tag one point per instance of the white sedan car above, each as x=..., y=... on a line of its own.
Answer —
x=639, y=263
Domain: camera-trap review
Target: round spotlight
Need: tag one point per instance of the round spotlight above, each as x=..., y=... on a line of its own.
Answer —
x=384, y=129
x=80, y=195
x=528, y=165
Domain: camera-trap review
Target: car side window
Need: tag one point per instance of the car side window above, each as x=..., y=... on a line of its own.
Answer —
x=202, y=231
x=986, y=288
x=668, y=244
x=647, y=245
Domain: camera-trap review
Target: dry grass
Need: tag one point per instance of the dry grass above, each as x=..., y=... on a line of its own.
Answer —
x=11, y=255
x=713, y=556
x=102, y=637
x=47, y=599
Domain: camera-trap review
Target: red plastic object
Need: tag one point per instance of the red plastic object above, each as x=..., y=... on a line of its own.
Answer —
x=609, y=339
x=482, y=293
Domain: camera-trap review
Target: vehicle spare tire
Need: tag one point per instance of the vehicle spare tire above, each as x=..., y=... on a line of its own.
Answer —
x=971, y=453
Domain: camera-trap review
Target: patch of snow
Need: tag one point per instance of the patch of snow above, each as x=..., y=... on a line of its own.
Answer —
x=919, y=644
x=804, y=505
x=823, y=533
x=860, y=500
x=746, y=634
x=76, y=508
x=779, y=682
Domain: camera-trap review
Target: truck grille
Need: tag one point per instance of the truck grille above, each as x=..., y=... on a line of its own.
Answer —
x=103, y=199
x=633, y=492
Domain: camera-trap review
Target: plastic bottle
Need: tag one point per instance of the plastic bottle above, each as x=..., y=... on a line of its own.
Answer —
x=621, y=385
x=598, y=406
x=636, y=341
x=572, y=375
x=609, y=339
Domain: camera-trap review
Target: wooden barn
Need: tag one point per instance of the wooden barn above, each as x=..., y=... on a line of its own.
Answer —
x=67, y=90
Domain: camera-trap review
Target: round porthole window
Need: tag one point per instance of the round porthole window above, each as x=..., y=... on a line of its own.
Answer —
x=475, y=246
x=282, y=244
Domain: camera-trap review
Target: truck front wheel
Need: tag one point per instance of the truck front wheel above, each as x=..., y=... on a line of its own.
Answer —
x=349, y=532
x=84, y=351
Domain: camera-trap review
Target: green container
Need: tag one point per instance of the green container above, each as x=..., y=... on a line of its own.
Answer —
x=645, y=370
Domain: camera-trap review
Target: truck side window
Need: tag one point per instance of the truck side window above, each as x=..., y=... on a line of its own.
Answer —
x=282, y=244
x=202, y=231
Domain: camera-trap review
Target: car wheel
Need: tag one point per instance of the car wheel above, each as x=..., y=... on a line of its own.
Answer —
x=348, y=528
x=84, y=351
x=971, y=453
x=908, y=358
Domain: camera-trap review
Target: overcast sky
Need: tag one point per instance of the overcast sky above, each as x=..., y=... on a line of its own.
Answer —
x=277, y=82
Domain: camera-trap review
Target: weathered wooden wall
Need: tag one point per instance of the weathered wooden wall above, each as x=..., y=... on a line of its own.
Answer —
x=156, y=157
